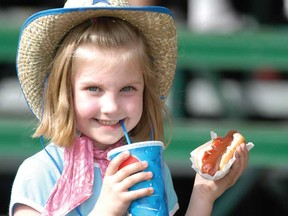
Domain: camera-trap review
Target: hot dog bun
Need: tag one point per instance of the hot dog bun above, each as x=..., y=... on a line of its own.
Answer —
x=238, y=139
x=213, y=155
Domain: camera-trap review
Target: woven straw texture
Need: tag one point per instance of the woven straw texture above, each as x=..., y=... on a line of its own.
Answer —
x=40, y=37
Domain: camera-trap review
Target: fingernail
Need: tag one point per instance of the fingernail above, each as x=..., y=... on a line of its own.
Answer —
x=145, y=163
x=149, y=174
x=236, y=154
x=126, y=152
x=151, y=190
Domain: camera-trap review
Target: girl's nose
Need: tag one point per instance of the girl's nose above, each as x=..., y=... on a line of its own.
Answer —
x=109, y=103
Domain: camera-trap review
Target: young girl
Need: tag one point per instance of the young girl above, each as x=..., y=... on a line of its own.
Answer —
x=83, y=69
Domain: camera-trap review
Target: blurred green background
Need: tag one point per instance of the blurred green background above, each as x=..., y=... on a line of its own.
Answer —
x=232, y=73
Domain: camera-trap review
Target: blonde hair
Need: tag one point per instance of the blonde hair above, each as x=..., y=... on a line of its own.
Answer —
x=58, y=121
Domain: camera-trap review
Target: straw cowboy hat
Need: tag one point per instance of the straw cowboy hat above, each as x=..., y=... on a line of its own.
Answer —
x=43, y=31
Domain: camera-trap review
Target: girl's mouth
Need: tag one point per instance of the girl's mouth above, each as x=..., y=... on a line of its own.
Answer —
x=108, y=123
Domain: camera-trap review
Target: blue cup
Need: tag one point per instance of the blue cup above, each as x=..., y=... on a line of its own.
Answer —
x=152, y=152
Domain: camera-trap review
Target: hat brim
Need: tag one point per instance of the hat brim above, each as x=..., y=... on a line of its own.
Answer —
x=43, y=31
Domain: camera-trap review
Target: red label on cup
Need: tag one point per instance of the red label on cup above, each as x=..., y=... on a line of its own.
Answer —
x=129, y=160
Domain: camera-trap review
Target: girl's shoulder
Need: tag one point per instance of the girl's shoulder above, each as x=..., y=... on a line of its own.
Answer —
x=36, y=178
x=49, y=159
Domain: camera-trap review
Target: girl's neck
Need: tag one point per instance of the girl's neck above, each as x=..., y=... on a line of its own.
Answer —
x=104, y=147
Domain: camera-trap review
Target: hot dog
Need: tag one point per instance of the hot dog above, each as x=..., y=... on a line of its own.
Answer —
x=213, y=157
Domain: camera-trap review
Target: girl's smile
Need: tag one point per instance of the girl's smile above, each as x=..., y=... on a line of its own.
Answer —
x=108, y=86
x=108, y=123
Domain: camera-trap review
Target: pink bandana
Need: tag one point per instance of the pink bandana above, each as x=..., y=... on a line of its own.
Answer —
x=101, y=156
x=76, y=182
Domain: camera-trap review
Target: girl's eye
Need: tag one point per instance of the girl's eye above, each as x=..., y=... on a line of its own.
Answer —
x=93, y=89
x=127, y=88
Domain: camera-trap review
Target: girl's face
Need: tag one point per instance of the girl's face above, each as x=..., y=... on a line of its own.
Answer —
x=108, y=86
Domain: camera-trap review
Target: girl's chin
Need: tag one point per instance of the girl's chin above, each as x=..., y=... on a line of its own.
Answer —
x=106, y=142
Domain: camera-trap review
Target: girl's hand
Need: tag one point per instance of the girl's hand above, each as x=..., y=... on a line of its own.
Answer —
x=215, y=189
x=115, y=198
x=205, y=192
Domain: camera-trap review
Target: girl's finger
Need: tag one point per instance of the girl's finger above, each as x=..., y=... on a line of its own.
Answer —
x=116, y=162
x=136, y=194
x=136, y=178
x=242, y=153
x=245, y=154
x=130, y=169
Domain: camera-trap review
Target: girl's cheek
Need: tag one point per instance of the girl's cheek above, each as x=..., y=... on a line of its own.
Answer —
x=86, y=106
